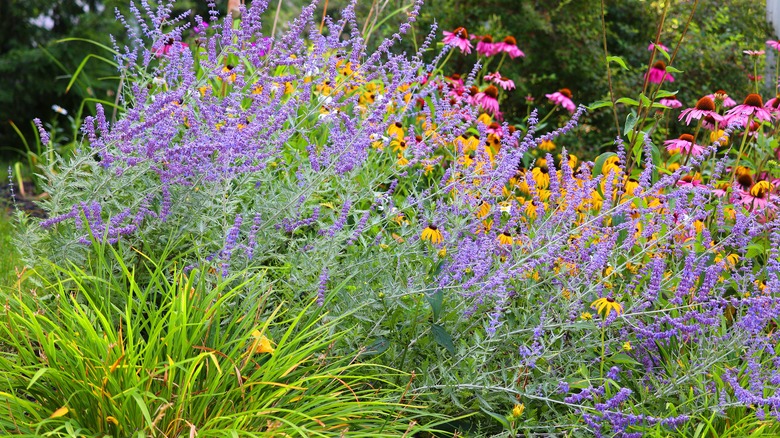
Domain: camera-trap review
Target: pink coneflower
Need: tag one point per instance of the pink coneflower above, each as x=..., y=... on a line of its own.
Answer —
x=773, y=44
x=685, y=145
x=752, y=106
x=704, y=107
x=455, y=79
x=562, y=97
x=486, y=46
x=671, y=102
x=169, y=46
x=772, y=105
x=488, y=100
x=753, y=52
x=723, y=98
x=690, y=181
x=501, y=81
x=659, y=45
x=759, y=197
x=509, y=46
x=657, y=73
x=458, y=38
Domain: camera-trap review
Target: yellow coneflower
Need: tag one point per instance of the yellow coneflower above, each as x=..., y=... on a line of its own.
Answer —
x=483, y=210
x=505, y=238
x=606, y=305
x=396, y=130
x=541, y=177
x=731, y=260
x=367, y=98
x=227, y=69
x=611, y=165
x=531, y=210
x=402, y=161
x=288, y=88
x=547, y=146
x=761, y=188
x=719, y=136
x=432, y=234
x=485, y=119
x=398, y=145
x=324, y=88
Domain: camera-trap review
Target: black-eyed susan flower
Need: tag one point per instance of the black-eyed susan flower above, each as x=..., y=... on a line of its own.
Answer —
x=396, y=130
x=505, y=238
x=547, y=145
x=432, y=234
x=606, y=305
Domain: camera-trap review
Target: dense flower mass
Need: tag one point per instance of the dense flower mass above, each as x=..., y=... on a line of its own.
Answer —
x=401, y=194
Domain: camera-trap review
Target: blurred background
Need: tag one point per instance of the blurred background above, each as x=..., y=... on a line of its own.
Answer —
x=562, y=41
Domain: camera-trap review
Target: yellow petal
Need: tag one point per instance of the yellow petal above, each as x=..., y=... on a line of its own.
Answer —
x=59, y=412
x=112, y=420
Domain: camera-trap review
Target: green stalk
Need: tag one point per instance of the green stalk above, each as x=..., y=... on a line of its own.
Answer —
x=741, y=147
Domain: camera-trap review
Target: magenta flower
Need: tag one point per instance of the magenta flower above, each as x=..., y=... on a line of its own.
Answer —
x=773, y=44
x=773, y=106
x=752, y=106
x=690, y=181
x=671, y=102
x=486, y=46
x=169, y=46
x=509, y=46
x=722, y=97
x=753, y=52
x=458, y=38
x=704, y=107
x=501, y=81
x=685, y=145
x=659, y=45
x=657, y=73
x=562, y=97
x=488, y=100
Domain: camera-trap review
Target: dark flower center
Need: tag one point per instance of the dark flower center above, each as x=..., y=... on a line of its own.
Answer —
x=610, y=300
x=754, y=100
x=432, y=227
x=455, y=77
x=660, y=65
x=491, y=91
x=745, y=181
x=566, y=92
x=461, y=33
x=705, y=104
x=494, y=125
x=487, y=39
x=510, y=40
x=399, y=125
x=687, y=137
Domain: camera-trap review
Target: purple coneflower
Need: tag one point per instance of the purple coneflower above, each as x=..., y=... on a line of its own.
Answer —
x=671, y=102
x=488, y=100
x=657, y=73
x=486, y=46
x=753, y=52
x=501, y=81
x=684, y=144
x=509, y=46
x=458, y=38
x=659, y=45
x=704, y=107
x=562, y=97
x=752, y=106
x=723, y=98
x=773, y=105
x=170, y=45
x=773, y=44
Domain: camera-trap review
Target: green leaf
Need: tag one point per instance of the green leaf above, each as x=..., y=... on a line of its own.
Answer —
x=631, y=120
x=623, y=359
x=755, y=249
x=500, y=418
x=671, y=69
x=645, y=100
x=442, y=338
x=618, y=60
x=663, y=52
x=628, y=101
x=380, y=345
x=36, y=376
x=665, y=93
x=436, y=301
x=599, y=104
